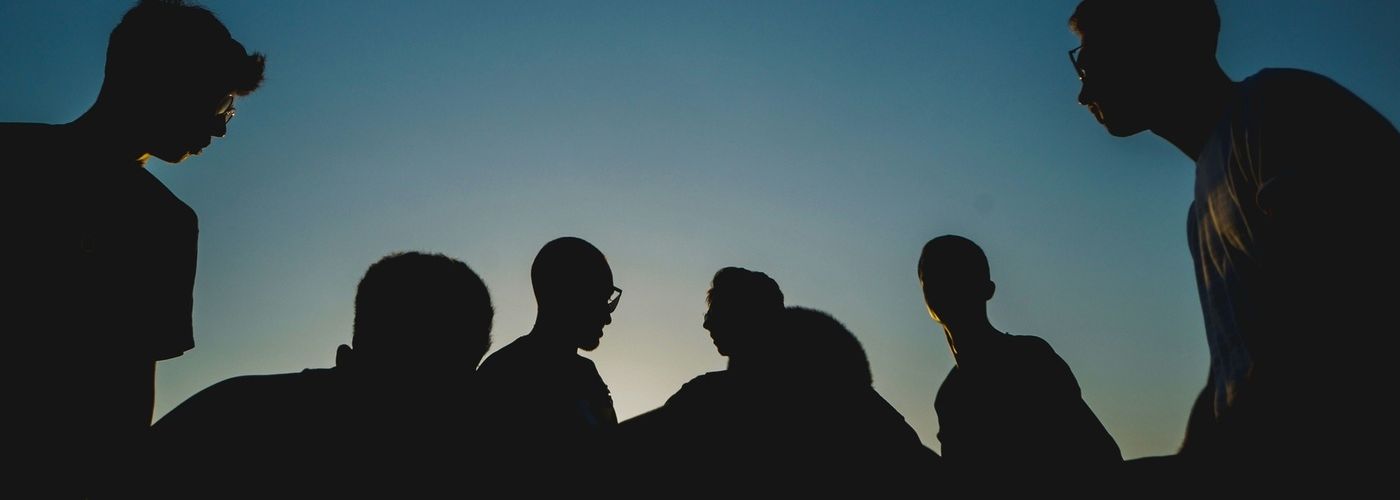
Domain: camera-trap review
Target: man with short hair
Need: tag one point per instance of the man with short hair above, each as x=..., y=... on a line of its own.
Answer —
x=1288, y=233
x=1010, y=403
x=548, y=407
x=109, y=252
x=391, y=413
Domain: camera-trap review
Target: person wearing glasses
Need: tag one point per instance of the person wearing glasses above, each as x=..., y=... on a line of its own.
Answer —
x=1288, y=229
x=106, y=285
x=386, y=415
x=547, y=406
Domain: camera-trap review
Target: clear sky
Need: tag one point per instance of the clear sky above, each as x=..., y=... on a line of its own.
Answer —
x=820, y=142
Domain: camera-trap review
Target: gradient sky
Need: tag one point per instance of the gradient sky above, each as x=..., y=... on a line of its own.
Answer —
x=820, y=142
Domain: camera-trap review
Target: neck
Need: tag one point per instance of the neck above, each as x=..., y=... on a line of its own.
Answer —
x=552, y=334
x=103, y=136
x=966, y=338
x=1195, y=112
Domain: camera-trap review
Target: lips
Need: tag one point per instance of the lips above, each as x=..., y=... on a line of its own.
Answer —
x=1098, y=115
x=200, y=149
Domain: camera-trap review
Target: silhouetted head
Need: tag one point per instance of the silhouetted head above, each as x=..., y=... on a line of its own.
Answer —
x=743, y=304
x=821, y=348
x=956, y=279
x=172, y=74
x=1134, y=56
x=420, y=316
x=574, y=289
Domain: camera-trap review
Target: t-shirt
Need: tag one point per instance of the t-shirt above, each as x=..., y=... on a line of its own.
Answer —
x=546, y=407
x=1288, y=233
x=783, y=432
x=109, y=252
x=1019, y=406
x=314, y=433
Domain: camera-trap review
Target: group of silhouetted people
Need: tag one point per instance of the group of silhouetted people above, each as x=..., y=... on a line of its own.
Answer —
x=1286, y=233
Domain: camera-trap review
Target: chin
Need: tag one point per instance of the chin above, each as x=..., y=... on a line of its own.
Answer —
x=1122, y=131
x=591, y=344
x=1118, y=127
x=179, y=155
x=172, y=157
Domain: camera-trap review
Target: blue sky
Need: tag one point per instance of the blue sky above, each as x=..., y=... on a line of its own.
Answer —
x=820, y=142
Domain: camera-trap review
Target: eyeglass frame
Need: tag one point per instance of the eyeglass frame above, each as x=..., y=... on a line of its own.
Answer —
x=226, y=109
x=614, y=299
x=1073, y=60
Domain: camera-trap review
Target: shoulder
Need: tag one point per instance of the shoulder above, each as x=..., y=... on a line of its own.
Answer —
x=27, y=145
x=1028, y=345
x=503, y=359
x=1035, y=355
x=700, y=389
x=1295, y=84
x=708, y=382
x=1273, y=79
x=229, y=399
x=27, y=134
x=516, y=366
x=252, y=387
x=1295, y=95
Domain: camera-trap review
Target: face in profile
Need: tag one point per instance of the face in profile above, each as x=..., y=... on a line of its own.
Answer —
x=717, y=323
x=186, y=125
x=1120, y=89
x=595, y=312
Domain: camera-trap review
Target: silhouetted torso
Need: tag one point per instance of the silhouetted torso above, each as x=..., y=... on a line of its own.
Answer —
x=1019, y=407
x=776, y=432
x=119, y=247
x=310, y=434
x=1288, y=233
x=103, y=266
x=548, y=407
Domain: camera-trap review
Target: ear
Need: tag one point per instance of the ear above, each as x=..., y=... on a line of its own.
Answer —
x=344, y=356
x=991, y=289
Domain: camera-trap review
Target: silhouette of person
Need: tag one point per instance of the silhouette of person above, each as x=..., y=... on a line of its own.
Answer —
x=396, y=402
x=795, y=410
x=830, y=418
x=703, y=424
x=743, y=305
x=549, y=408
x=109, y=252
x=1010, y=402
x=1286, y=232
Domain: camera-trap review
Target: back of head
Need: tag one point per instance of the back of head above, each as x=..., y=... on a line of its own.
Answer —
x=417, y=312
x=747, y=293
x=166, y=45
x=743, y=305
x=1151, y=29
x=822, y=349
x=953, y=262
x=568, y=269
x=955, y=277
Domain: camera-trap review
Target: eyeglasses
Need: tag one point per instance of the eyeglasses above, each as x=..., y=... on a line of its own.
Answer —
x=1074, y=59
x=614, y=298
x=225, y=111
